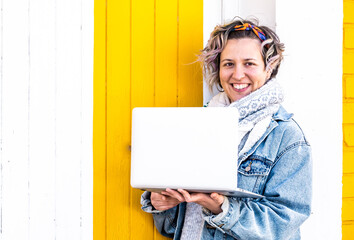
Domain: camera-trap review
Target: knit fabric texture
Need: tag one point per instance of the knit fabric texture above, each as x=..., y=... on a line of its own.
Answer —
x=193, y=222
x=255, y=109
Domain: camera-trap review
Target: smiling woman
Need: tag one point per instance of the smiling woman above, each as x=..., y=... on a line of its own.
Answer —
x=274, y=157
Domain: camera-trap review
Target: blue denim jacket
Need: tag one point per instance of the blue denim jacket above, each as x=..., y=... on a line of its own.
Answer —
x=281, y=170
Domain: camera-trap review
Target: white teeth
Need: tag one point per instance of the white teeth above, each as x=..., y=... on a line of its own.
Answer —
x=239, y=86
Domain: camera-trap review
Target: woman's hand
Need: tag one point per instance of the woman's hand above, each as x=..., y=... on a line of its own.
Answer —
x=166, y=200
x=171, y=198
x=211, y=201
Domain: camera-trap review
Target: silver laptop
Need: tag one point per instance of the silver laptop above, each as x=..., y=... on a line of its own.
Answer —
x=190, y=148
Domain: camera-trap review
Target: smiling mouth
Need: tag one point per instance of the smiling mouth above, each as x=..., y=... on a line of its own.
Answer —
x=239, y=87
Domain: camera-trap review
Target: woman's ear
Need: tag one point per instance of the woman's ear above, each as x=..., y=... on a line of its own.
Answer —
x=269, y=72
x=272, y=64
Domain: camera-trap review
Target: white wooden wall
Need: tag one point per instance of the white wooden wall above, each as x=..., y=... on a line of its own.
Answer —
x=46, y=49
x=311, y=75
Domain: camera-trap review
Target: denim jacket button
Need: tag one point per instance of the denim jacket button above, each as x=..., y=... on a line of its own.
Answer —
x=248, y=168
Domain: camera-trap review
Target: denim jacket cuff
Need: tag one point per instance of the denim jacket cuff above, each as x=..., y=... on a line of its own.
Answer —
x=146, y=205
x=225, y=209
x=227, y=218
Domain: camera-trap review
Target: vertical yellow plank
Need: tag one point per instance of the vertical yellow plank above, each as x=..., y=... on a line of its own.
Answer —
x=118, y=120
x=348, y=130
x=99, y=122
x=166, y=59
x=348, y=161
x=190, y=80
x=166, y=53
x=142, y=92
x=348, y=209
x=348, y=231
x=143, y=28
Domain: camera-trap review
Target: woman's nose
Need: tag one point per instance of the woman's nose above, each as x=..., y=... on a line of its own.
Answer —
x=238, y=73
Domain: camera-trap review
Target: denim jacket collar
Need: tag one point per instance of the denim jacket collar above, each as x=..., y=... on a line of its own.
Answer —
x=281, y=115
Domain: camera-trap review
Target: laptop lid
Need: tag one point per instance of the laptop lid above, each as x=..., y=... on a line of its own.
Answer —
x=189, y=148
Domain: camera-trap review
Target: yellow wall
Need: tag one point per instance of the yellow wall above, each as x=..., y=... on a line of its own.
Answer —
x=143, y=56
x=348, y=121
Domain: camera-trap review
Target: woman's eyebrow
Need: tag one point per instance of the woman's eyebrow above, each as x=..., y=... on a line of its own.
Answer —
x=226, y=59
x=249, y=59
x=245, y=59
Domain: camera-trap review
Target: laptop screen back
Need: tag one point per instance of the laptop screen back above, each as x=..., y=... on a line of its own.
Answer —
x=189, y=148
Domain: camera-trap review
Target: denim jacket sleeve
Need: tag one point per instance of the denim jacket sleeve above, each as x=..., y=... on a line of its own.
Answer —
x=284, y=208
x=165, y=221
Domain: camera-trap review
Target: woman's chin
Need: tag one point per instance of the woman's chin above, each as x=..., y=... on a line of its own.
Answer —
x=236, y=97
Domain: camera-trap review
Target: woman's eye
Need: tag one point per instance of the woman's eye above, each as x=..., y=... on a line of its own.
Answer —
x=249, y=64
x=228, y=64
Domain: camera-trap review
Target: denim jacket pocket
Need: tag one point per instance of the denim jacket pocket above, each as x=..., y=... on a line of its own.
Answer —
x=253, y=173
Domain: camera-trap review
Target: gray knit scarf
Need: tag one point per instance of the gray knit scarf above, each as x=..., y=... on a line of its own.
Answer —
x=255, y=109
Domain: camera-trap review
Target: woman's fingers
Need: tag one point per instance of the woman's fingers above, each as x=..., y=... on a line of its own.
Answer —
x=218, y=198
x=211, y=201
x=186, y=195
x=162, y=202
x=170, y=198
x=167, y=193
x=194, y=197
x=174, y=194
x=157, y=197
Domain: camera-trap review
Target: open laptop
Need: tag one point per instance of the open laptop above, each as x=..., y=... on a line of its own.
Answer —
x=190, y=148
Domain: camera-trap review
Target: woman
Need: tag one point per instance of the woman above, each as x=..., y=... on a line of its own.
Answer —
x=274, y=156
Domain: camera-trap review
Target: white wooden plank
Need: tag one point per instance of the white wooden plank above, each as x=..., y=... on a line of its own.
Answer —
x=264, y=11
x=86, y=120
x=313, y=87
x=42, y=119
x=211, y=17
x=230, y=9
x=15, y=113
x=69, y=115
x=1, y=111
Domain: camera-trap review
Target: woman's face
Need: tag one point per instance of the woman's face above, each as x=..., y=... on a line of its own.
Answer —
x=242, y=69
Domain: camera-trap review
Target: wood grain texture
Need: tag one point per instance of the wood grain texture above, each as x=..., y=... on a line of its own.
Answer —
x=42, y=127
x=68, y=120
x=190, y=81
x=15, y=107
x=118, y=119
x=99, y=122
x=348, y=120
x=149, y=49
x=142, y=92
x=166, y=55
x=166, y=59
x=46, y=126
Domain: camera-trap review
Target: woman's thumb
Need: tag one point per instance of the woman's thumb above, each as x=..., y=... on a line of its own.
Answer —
x=217, y=198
